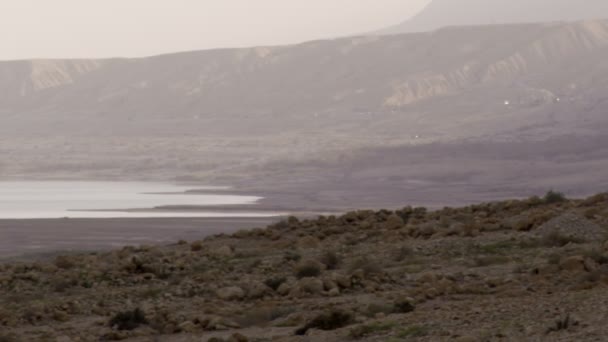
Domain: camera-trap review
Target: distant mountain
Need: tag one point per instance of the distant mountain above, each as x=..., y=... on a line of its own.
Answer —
x=305, y=112
x=442, y=13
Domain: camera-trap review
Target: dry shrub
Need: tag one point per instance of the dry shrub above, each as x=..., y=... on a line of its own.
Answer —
x=196, y=246
x=129, y=320
x=332, y=320
x=331, y=260
x=369, y=266
x=308, y=269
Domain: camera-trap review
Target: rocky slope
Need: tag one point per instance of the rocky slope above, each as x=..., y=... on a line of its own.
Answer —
x=519, y=270
x=443, y=13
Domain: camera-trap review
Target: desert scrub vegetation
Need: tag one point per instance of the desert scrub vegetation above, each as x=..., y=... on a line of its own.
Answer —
x=563, y=323
x=299, y=276
x=404, y=306
x=552, y=197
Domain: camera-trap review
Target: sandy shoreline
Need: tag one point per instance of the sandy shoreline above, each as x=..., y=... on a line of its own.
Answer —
x=40, y=237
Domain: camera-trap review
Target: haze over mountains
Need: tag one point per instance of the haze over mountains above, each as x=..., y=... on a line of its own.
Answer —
x=442, y=13
x=475, y=110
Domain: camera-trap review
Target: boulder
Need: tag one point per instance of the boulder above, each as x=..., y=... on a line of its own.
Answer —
x=284, y=289
x=574, y=226
x=574, y=263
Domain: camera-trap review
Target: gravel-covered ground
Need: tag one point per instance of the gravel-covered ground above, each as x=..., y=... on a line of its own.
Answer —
x=521, y=270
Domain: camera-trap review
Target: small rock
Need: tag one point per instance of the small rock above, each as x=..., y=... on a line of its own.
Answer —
x=231, y=293
x=257, y=290
x=310, y=285
x=222, y=251
x=431, y=293
x=591, y=265
x=334, y=292
x=573, y=263
x=284, y=289
x=428, y=278
x=342, y=280
x=220, y=323
x=329, y=284
x=188, y=327
x=238, y=338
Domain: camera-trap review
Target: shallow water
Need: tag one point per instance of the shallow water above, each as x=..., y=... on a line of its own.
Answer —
x=58, y=199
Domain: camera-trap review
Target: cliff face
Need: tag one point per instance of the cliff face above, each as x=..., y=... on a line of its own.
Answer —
x=21, y=79
x=442, y=13
x=547, y=46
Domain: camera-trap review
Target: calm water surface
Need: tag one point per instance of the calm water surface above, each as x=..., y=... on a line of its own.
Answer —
x=29, y=200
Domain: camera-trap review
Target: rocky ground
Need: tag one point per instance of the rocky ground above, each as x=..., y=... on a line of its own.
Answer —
x=521, y=270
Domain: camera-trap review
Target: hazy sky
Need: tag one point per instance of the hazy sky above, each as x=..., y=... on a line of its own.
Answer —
x=103, y=28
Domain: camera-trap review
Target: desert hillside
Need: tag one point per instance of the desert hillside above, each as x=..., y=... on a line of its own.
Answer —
x=518, y=270
x=443, y=13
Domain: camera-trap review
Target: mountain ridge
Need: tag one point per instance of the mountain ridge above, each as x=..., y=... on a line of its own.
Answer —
x=251, y=115
x=475, y=61
x=444, y=13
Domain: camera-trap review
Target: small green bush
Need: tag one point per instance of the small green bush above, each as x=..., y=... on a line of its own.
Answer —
x=129, y=320
x=553, y=197
x=275, y=282
x=292, y=256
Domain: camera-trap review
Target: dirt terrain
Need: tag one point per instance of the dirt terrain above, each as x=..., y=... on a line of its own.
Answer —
x=516, y=270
